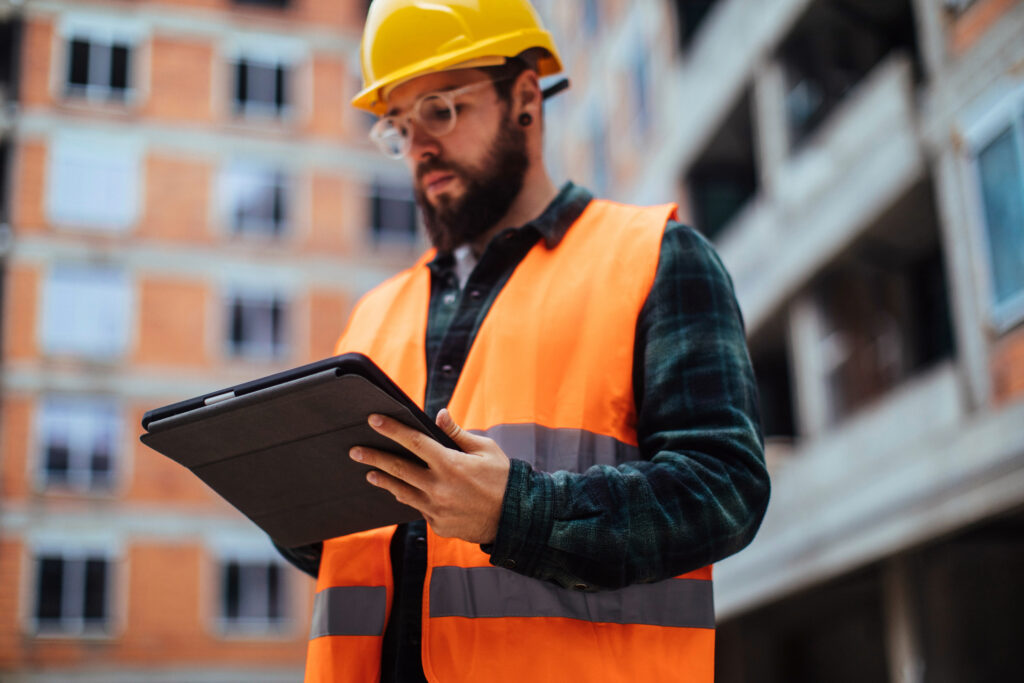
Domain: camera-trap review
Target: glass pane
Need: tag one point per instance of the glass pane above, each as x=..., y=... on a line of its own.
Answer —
x=50, y=588
x=57, y=462
x=78, y=67
x=241, y=84
x=1002, y=191
x=94, y=604
x=119, y=67
x=232, y=590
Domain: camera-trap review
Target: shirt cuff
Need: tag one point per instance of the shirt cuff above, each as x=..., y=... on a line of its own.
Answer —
x=526, y=520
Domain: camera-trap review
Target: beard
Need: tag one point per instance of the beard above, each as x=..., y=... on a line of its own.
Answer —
x=489, y=190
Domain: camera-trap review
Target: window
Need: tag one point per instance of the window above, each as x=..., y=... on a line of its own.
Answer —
x=78, y=440
x=393, y=214
x=261, y=87
x=256, y=200
x=72, y=593
x=1000, y=166
x=995, y=139
x=253, y=595
x=98, y=70
x=256, y=325
x=93, y=182
x=10, y=49
x=86, y=311
x=99, y=56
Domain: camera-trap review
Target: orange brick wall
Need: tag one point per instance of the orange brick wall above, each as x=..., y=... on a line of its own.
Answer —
x=37, y=44
x=180, y=83
x=328, y=314
x=27, y=203
x=329, y=101
x=16, y=413
x=972, y=25
x=22, y=293
x=1008, y=368
x=10, y=576
x=177, y=200
x=171, y=329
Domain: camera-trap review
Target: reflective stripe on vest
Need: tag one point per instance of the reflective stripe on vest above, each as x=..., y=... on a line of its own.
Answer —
x=549, y=376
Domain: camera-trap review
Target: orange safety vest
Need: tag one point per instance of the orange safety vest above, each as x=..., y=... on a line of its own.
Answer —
x=550, y=378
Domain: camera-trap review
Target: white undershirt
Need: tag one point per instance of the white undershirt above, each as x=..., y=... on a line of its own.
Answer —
x=465, y=262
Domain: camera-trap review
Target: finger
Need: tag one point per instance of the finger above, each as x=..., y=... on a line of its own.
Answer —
x=397, y=467
x=402, y=492
x=430, y=451
x=467, y=441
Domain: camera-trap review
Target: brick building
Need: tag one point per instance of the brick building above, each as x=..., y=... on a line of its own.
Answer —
x=187, y=202
x=192, y=203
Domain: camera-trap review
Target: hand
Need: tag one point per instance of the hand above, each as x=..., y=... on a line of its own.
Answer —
x=460, y=495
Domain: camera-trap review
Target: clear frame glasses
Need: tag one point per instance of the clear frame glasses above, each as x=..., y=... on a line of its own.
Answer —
x=435, y=114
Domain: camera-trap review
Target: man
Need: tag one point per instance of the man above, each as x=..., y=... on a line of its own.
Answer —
x=589, y=360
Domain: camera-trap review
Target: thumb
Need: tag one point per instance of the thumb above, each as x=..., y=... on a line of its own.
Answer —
x=466, y=441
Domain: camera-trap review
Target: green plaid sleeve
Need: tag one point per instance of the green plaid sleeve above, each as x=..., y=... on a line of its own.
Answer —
x=701, y=490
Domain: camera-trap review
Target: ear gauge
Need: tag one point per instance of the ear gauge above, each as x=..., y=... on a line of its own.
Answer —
x=525, y=119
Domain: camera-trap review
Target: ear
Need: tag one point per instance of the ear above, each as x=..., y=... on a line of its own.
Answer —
x=527, y=94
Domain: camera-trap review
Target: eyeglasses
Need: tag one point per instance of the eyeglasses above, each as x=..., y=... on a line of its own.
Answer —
x=434, y=113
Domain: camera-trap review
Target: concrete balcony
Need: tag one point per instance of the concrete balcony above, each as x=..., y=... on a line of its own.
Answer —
x=862, y=159
x=912, y=467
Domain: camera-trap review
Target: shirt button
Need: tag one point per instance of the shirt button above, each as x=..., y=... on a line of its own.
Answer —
x=421, y=542
x=509, y=564
x=449, y=298
x=447, y=369
x=580, y=587
x=475, y=294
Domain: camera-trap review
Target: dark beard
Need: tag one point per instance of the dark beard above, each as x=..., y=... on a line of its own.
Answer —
x=490, y=191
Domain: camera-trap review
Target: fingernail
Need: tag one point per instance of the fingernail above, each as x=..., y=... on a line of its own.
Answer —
x=356, y=454
x=376, y=420
x=371, y=477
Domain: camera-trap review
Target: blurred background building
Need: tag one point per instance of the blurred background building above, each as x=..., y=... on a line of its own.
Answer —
x=187, y=201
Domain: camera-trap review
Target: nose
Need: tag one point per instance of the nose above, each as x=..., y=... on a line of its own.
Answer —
x=421, y=144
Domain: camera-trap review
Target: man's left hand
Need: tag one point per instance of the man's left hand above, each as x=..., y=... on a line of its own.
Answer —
x=460, y=495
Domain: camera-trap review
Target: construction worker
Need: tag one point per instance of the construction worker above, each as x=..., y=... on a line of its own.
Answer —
x=589, y=360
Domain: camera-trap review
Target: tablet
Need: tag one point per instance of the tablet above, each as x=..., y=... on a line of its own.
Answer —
x=277, y=447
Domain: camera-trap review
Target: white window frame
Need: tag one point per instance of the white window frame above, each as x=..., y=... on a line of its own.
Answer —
x=106, y=30
x=236, y=179
x=1003, y=108
x=251, y=553
x=94, y=181
x=250, y=350
x=85, y=418
x=271, y=51
x=73, y=625
x=109, y=329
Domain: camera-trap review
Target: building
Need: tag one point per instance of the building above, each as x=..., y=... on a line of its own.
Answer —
x=188, y=202
x=859, y=164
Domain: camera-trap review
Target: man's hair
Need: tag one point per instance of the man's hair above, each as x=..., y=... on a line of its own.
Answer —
x=505, y=75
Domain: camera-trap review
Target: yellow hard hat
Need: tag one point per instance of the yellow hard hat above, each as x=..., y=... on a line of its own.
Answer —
x=408, y=38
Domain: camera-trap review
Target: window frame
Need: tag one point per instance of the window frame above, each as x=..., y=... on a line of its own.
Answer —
x=251, y=554
x=249, y=351
x=233, y=176
x=53, y=342
x=73, y=627
x=83, y=478
x=1001, y=110
x=108, y=31
x=253, y=110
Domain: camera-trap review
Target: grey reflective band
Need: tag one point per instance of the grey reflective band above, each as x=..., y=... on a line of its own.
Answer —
x=492, y=592
x=349, y=611
x=550, y=450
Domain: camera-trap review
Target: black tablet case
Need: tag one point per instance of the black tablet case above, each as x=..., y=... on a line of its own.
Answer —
x=280, y=454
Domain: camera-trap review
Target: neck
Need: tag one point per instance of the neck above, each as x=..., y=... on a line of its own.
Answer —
x=538, y=191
